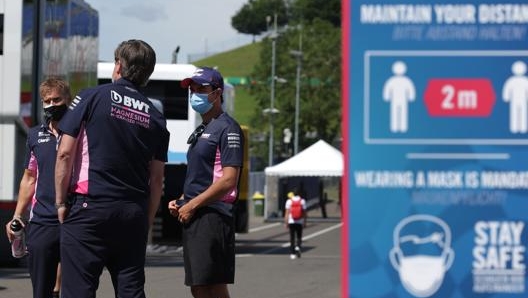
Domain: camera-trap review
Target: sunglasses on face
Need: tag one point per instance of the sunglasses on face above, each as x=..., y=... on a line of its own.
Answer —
x=196, y=134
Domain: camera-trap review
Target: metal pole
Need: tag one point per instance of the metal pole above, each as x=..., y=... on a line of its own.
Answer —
x=272, y=96
x=297, y=90
x=39, y=8
x=297, y=95
x=175, y=55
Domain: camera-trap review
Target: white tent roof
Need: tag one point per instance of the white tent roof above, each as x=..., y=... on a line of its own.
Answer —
x=320, y=159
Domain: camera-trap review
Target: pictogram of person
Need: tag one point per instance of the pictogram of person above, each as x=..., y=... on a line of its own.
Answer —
x=515, y=91
x=399, y=91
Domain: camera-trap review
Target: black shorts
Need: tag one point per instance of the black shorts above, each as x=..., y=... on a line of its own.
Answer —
x=209, y=248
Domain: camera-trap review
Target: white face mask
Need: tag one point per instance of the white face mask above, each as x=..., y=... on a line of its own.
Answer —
x=422, y=275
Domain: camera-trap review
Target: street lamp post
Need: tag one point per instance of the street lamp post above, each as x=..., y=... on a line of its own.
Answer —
x=272, y=93
x=175, y=55
x=298, y=55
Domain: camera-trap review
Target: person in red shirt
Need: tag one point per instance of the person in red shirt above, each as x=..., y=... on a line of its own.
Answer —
x=295, y=220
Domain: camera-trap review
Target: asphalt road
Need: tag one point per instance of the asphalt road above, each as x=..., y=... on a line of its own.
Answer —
x=263, y=266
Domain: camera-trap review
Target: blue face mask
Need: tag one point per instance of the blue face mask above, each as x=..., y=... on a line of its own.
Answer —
x=200, y=102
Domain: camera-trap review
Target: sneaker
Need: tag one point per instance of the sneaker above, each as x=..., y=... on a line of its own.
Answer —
x=298, y=251
x=55, y=294
x=292, y=256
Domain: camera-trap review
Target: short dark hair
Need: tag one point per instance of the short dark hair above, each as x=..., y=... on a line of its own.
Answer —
x=137, y=59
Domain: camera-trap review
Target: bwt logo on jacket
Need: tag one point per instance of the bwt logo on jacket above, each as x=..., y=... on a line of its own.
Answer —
x=129, y=102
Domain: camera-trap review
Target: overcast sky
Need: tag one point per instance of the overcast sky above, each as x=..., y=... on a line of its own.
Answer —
x=197, y=26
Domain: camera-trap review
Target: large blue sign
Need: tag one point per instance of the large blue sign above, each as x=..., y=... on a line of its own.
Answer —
x=436, y=97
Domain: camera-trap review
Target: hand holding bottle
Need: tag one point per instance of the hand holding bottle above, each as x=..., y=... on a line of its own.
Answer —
x=18, y=240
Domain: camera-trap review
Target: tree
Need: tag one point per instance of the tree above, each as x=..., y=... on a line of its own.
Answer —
x=308, y=10
x=256, y=16
x=320, y=101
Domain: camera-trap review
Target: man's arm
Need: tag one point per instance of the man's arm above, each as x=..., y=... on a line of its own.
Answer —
x=26, y=191
x=286, y=213
x=157, y=170
x=218, y=189
x=63, y=171
x=304, y=213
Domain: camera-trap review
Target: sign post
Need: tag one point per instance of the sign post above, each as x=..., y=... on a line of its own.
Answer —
x=436, y=96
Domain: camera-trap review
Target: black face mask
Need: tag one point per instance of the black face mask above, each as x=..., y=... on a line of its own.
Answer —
x=54, y=113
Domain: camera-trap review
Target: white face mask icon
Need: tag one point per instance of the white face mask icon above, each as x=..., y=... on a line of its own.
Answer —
x=422, y=273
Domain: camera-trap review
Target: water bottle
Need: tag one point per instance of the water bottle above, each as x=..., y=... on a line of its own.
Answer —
x=18, y=246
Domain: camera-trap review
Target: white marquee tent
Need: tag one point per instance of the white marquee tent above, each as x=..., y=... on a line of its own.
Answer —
x=320, y=159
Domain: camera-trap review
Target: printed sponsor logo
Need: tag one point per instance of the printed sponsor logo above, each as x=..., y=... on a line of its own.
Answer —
x=129, y=102
x=130, y=117
x=129, y=109
x=43, y=140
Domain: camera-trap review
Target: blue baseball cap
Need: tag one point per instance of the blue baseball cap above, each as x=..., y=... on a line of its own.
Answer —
x=205, y=76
